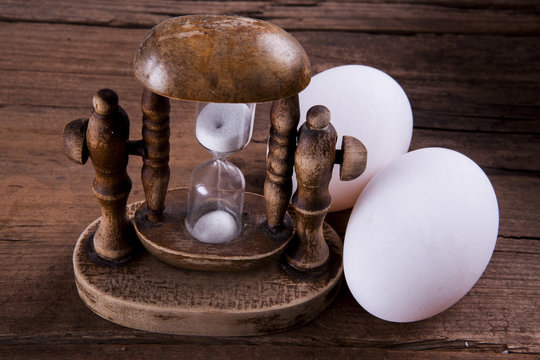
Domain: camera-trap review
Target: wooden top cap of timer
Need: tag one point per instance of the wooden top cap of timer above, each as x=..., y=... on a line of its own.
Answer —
x=215, y=58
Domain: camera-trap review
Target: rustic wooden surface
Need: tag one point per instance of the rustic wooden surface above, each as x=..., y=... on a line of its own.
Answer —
x=471, y=70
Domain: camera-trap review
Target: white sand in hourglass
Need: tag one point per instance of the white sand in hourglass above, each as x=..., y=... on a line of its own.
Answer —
x=215, y=227
x=222, y=127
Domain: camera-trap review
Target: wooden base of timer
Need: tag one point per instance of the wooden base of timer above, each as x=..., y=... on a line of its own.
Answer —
x=170, y=241
x=149, y=295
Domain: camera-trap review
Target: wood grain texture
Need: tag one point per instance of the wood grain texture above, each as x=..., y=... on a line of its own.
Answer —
x=313, y=161
x=238, y=60
x=352, y=158
x=149, y=295
x=170, y=241
x=172, y=351
x=471, y=70
x=106, y=137
x=446, y=16
x=155, y=171
x=284, y=118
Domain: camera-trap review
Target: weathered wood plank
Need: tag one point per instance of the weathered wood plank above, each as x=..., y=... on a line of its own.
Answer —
x=453, y=82
x=478, y=94
x=489, y=150
x=499, y=314
x=495, y=17
x=146, y=351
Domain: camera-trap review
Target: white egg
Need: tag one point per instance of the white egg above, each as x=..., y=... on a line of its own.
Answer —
x=420, y=235
x=368, y=104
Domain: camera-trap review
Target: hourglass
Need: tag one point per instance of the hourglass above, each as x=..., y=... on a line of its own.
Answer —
x=216, y=189
x=211, y=258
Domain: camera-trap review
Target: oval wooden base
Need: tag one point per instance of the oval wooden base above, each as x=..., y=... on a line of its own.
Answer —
x=170, y=242
x=149, y=295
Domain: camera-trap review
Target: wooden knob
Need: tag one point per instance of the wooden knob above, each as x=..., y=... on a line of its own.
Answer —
x=105, y=102
x=74, y=141
x=352, y=157
x=314, y=161
x=318, y=117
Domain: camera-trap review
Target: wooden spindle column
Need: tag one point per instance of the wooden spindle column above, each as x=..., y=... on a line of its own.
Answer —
x=106, y=137
x=155, y=171
x=314, y=161
x=284, y=117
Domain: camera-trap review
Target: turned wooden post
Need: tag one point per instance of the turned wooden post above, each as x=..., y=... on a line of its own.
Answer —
x=314, y=160
x=106, y=137
x=155, y=171
x=284, y=117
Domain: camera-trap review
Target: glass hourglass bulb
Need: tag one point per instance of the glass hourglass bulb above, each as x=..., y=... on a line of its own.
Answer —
x=216, y=189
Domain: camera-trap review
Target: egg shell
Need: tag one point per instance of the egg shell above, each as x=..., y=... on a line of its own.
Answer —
x=420, y=235
x=368, y=104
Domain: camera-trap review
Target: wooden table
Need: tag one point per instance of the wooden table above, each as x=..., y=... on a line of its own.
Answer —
x=471, y=70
